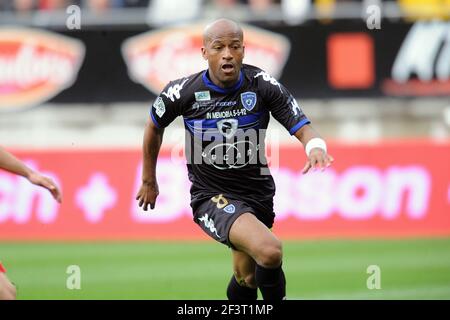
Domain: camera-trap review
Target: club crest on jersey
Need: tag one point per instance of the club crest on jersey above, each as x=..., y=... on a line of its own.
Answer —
x=248, y=100
x=227, y=127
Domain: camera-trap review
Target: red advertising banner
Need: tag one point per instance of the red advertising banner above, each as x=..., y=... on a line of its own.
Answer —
x=397, y=189
x=36, y=65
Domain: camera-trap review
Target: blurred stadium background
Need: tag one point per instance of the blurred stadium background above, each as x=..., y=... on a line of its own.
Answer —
x=76, y=83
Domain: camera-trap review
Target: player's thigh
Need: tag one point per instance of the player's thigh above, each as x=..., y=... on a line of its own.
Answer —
x=251, y=236
x=244, y=268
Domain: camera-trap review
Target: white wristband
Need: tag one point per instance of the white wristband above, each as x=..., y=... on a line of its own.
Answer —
x=315, y=143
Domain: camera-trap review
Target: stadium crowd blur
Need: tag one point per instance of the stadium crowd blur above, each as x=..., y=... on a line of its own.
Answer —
x=123, y=19
x=27, y=5
x=410, y=8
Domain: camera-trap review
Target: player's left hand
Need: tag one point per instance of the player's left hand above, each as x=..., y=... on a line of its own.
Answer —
x=318, y=158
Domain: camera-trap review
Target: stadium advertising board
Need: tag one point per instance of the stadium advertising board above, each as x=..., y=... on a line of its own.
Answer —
x=35, y=65
x=313, y=60
x=371, y=191
x=342, y=59
x=157, y=57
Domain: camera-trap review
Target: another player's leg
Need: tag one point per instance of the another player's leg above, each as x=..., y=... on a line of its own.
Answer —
x=251, y=236
x=242, y=285
x=7, y=289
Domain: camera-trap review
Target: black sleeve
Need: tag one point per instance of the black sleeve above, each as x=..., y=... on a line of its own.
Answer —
x=281, y=104
x=168, y=105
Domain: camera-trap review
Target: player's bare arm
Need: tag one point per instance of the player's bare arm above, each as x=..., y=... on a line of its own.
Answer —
x=10, y=163
x=152, y=143
x=7, y=289
x=318, y=156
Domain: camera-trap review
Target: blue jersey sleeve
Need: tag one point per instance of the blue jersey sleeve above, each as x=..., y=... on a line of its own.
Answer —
x=169, y=104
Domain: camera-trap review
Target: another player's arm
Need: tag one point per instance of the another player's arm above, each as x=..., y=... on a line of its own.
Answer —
x=318, y=155
x=152, y=143
x=7, y=289
x=10, y=163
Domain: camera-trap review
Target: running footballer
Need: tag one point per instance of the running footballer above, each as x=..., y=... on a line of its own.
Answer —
x=226, y=110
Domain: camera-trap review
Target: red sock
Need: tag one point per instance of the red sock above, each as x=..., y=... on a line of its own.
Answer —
x=2, y=268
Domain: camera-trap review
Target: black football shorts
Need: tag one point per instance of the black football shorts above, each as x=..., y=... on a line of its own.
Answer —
x=217, y=214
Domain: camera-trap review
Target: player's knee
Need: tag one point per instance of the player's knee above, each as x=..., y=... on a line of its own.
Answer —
x=271, y=255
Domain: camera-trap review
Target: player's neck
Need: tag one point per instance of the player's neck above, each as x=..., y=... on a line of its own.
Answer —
x=221, y=84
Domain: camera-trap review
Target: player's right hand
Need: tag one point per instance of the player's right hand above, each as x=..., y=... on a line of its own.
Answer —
x=147, y=195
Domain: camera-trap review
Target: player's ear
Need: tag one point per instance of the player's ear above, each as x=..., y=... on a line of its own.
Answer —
x=243, y=51
x=204, y=55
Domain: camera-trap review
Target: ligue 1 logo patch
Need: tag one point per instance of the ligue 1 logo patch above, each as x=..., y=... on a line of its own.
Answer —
x=160, y=107
x=248, y=100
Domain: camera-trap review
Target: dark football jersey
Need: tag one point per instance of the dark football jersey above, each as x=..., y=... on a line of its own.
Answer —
x=225, y=131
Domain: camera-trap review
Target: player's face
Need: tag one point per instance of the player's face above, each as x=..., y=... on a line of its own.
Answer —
x=224, y=53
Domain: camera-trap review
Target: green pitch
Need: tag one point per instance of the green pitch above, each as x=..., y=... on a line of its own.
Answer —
x=410, y=269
